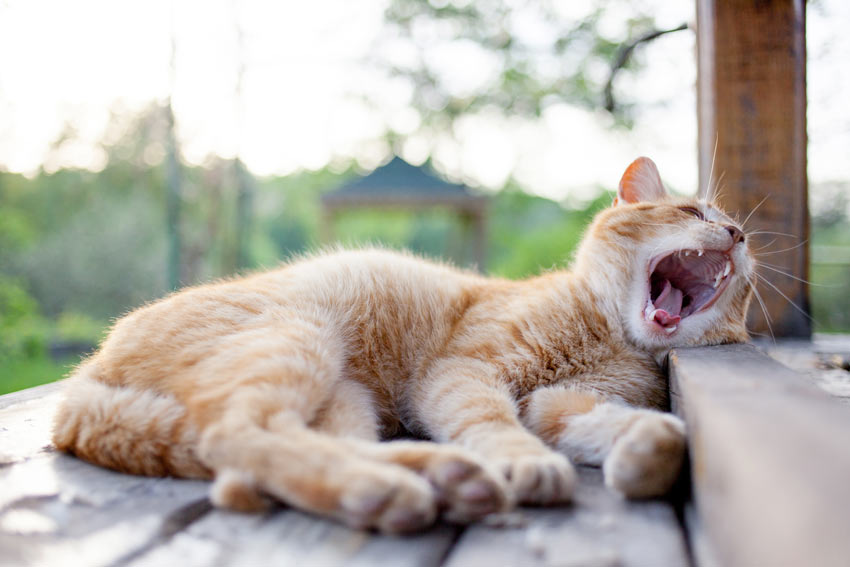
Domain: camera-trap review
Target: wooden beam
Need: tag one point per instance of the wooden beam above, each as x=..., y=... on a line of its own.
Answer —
x=751, y=97
x=769, y=458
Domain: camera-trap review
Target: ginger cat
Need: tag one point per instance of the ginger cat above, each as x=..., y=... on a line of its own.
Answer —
x=279, y=385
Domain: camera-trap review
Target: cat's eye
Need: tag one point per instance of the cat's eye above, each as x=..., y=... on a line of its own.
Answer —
x=693, y=211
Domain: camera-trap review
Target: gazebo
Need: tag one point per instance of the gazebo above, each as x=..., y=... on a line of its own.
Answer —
x=400, y=185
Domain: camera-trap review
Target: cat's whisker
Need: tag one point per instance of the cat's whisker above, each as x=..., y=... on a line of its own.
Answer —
x=778, y=251
x=708, y=192
x=768, y=245
x=767, y=318
x=760, y=232
x=719, y=187
x=743, y=224
x=786, y=274
x=788, y=299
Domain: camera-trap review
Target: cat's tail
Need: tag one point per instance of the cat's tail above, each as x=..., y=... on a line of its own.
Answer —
x=125, y=429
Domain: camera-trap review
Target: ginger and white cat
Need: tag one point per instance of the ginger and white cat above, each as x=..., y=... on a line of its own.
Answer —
x=279, y=385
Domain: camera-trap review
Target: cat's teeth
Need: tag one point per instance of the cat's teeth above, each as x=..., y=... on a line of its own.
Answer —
x=670, y=330
x=687, y=252
x=727, y=269
x=699, y=252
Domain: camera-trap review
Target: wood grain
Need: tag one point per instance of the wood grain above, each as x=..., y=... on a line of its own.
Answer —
x=751, y=88
x=57, y=510
x=289, y=537
x=599, y=530
x=769, y=458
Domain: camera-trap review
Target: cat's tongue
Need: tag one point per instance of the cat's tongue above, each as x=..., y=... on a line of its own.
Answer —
x=668, y=305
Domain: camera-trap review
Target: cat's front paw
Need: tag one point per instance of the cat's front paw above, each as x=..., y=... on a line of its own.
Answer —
x=387, y=500
x=540, y=479
x=466, y=489
x=646, y=460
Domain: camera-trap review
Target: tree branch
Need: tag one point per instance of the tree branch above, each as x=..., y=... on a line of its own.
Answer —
x=622, y=58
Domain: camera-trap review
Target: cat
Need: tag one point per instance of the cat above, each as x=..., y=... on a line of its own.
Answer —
x=279, y=385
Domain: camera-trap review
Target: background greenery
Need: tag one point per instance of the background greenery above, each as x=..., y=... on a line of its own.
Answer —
x=79, y=248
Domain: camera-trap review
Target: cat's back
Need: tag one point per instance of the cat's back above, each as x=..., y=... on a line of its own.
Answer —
x=367, y=293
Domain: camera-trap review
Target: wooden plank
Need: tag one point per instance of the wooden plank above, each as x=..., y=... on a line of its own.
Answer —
x=35, y=393
x=769, y=458
x=824, y=361
x=751, y=88
x=57, y=510
x=289, y=537
x=599, y=529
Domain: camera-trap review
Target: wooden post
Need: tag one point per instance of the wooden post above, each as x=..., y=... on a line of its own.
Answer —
x=751, y=88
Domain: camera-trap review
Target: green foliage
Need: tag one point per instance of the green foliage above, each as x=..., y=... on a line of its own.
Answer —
x=26, y=372
x=532, y=234
x=80, y=248
x=23, y=331
x=72, y=326
x=830, y=292
x=564, y=59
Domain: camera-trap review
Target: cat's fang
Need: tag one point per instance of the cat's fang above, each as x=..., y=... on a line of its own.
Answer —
x=727, y=269
x=671, y=330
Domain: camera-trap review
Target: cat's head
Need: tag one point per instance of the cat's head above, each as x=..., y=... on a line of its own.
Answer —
x=677, y=271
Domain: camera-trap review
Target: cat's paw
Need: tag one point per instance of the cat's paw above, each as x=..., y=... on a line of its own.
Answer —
x=238, y=491
x=466, y=489
x=646, y=460
x=388, y=499
x=540, y=479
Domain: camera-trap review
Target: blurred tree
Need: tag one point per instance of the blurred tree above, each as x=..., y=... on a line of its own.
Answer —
x=537, y=53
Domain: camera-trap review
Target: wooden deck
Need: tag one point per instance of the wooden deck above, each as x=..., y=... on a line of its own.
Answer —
x=57, y=510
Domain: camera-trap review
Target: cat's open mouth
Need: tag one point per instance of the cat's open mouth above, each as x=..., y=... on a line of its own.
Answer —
x=685, y=282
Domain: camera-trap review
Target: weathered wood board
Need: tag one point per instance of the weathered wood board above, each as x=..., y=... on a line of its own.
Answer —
x=824, y=361
x=769, y=458
x=57, y=510
x=600, y=530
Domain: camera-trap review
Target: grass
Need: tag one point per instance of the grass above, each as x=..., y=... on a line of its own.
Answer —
x=21, y=373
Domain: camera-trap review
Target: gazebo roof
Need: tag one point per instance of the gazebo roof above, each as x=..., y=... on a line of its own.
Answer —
x=400, y=183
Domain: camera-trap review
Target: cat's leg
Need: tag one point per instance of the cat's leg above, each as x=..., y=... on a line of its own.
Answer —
x=347, y=413
x=640, y=450
x=462, y=401
x=466, y=488
x=255, y=426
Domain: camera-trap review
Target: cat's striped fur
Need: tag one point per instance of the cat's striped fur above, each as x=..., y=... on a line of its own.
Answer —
x=280, y=384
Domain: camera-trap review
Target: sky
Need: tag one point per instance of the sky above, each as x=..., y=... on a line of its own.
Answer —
x=305, y=73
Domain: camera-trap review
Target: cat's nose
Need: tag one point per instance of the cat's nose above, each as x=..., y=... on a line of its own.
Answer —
x=735, y=233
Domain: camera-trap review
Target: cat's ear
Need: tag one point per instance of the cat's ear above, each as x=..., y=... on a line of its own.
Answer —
x=640, y=182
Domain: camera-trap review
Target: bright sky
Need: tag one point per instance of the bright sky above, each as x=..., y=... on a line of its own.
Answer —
x=75, y=61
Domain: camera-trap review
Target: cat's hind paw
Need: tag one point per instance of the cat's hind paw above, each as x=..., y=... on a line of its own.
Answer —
x=646, y=460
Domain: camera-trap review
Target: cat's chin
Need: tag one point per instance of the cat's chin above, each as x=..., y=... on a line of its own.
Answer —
x=681, y=284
